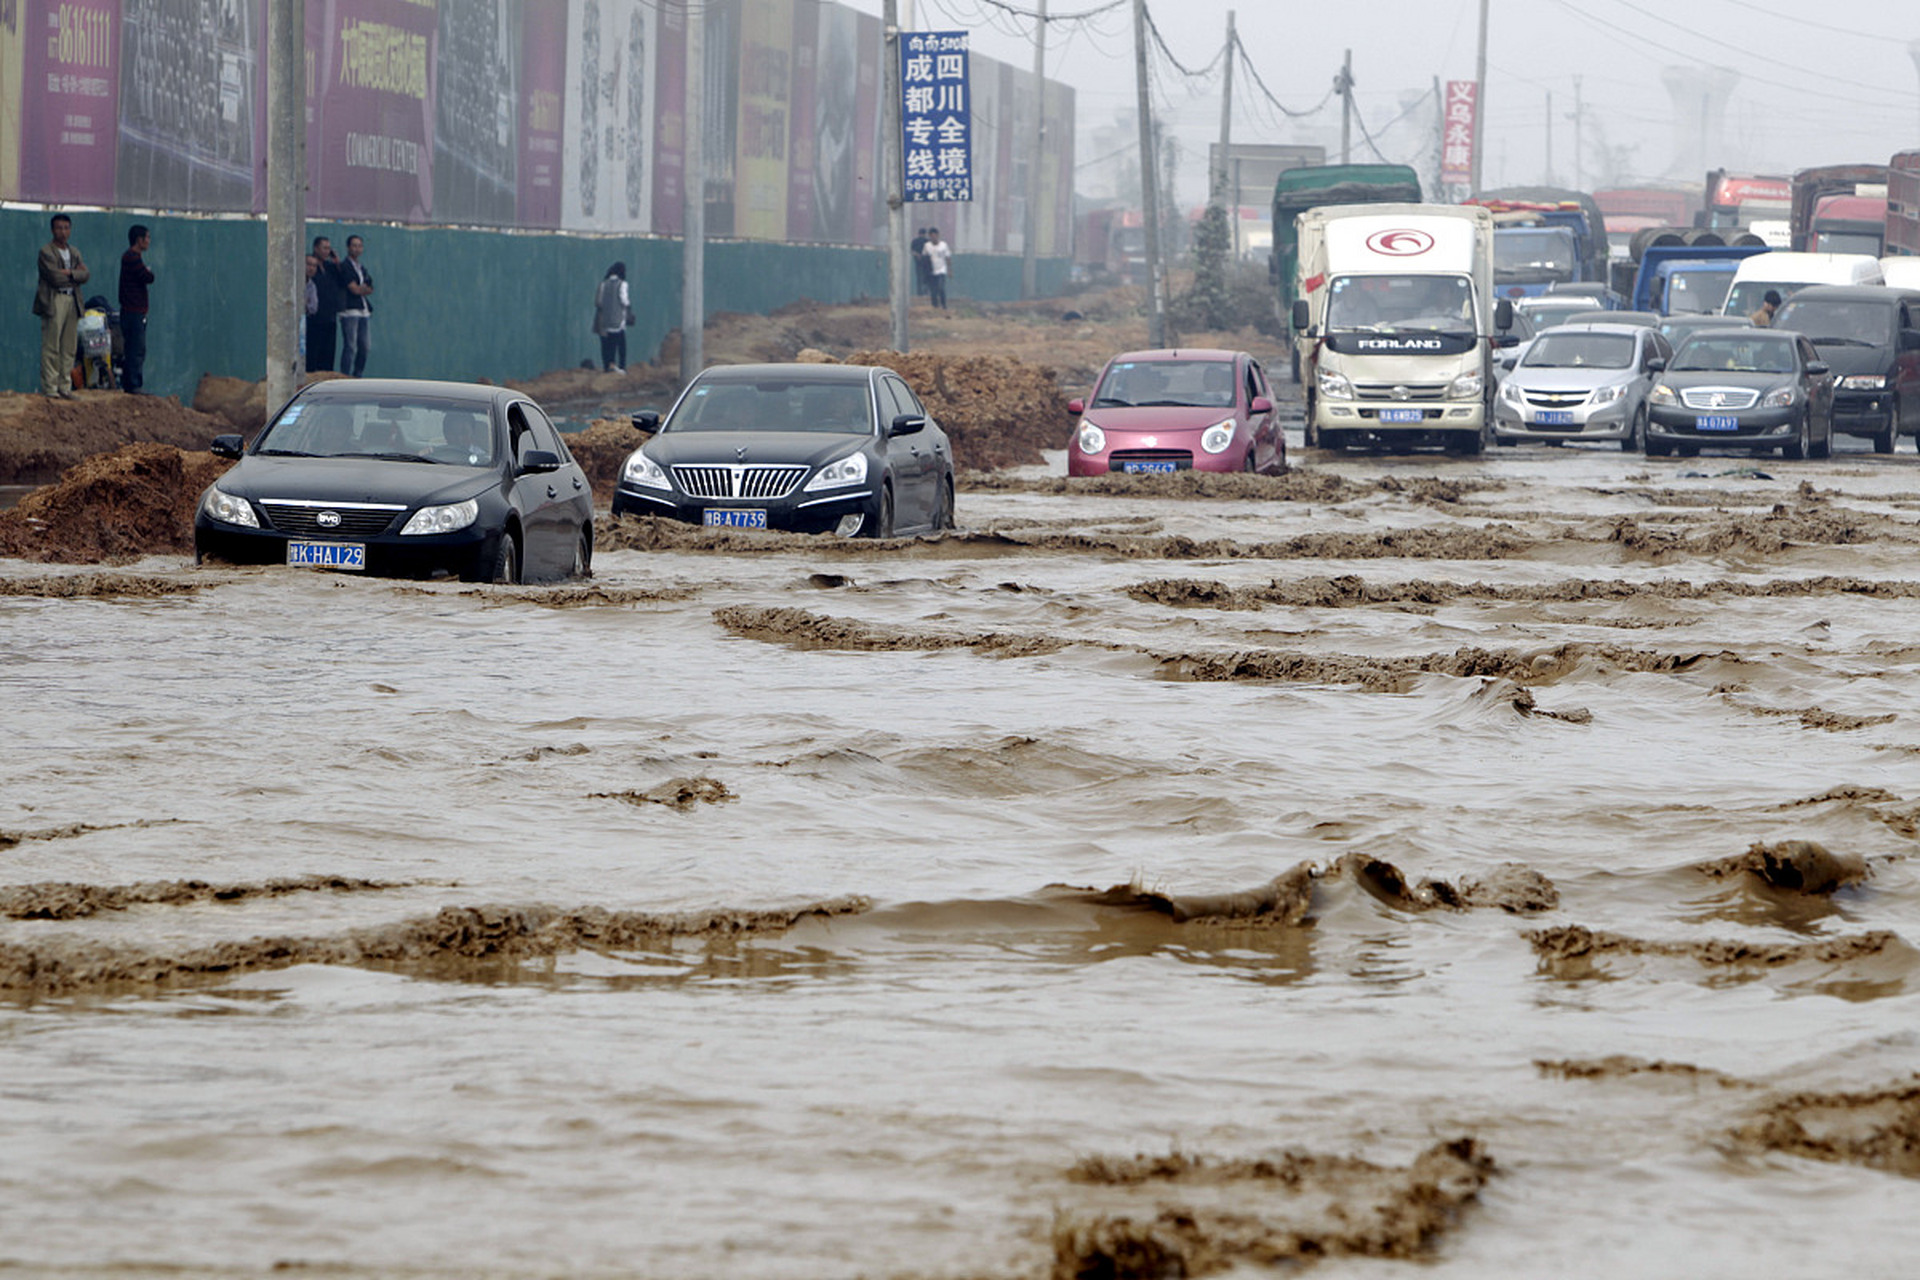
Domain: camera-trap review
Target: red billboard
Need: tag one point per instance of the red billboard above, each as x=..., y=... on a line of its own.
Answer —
x=70, y=97
x=370, y=99
x=1462, y=134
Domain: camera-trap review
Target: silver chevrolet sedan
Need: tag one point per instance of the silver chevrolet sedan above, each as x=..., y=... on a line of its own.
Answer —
x=1586, y=382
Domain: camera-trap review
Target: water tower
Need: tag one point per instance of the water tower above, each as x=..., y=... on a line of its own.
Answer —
x=1699, y=117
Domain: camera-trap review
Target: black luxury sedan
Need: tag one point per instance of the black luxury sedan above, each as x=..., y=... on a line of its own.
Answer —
x=1756, y=389
x=403, y=478
x=809, y=448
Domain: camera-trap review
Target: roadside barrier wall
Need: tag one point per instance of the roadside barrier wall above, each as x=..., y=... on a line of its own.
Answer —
x=447, y=303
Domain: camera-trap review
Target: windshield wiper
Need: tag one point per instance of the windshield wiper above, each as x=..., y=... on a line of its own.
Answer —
x=289, y=453
x=1106, y=402
x=395, y=457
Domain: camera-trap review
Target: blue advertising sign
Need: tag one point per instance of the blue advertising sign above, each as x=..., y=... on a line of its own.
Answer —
x=936, y=116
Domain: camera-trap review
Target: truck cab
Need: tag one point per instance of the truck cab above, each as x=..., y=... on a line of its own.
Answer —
x=1688, y=279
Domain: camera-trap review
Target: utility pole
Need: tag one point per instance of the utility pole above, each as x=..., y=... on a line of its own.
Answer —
x=693, y=199
x=1219, y=183
x=1547, y=122
x=1344, y=84
x=1439, y=137
x=1480, y=99
x=893, y=164
x=1579, y=157
x=1149, y=181
x=1030, y=236
x=286, y=192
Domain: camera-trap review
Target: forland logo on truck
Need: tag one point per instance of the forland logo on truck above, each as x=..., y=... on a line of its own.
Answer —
x=1403, y=243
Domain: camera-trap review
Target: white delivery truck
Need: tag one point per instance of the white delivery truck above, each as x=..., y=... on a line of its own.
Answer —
x=1397, y=321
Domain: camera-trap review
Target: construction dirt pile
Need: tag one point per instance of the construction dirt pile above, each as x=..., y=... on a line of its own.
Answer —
x=136, y=501
x=999, y=411
x=40, y=438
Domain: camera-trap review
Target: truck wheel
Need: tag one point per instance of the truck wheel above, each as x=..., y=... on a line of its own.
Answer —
x=1296, y=366
x=1883, y=442
x=1467, y=444
x=1333, y=440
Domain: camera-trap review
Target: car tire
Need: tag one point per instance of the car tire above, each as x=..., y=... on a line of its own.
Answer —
x=1658, y=448
x=1636, y=433
x=583, y=554
x=943, y=513
x=882, y=526
x=1883, y=442
x=1468, y=444
x=1797, y=448
x=506, y=562
x=1689, y=450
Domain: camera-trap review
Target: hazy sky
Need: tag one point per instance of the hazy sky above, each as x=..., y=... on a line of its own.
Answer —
x=1828, y=82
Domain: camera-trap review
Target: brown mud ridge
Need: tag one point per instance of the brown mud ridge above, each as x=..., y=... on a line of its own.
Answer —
x=1818, y=717
x=1621, y=1066
x=572, y=595
x=1286, y=900
x=807, y=630
x=1298, y=485
x=1795, y=866
x=8, y=839
x=1151, y=1218
x=61, y=901
x=487, y=936
x=1346, y=591
x=675, y=793
x=1573, y=951
x=1779, y=530
x=135, y=501
x=97, y=586
x=40, y=438
x=1879, y=1129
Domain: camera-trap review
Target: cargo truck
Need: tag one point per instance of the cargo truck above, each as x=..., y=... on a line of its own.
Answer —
x=1839, y=208
x=1397, y=323
x=1305, y=186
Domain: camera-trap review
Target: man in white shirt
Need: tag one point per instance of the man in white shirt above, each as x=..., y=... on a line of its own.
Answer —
x=939, y=254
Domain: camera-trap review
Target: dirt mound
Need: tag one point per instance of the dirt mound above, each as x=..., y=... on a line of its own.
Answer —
x=1152, y=1217
x=998, y=411
x=60, y=901
x=136, y=501
x=40, y=438
x=1281, y=902
x=1797, y=866
x=601, y=449
x=818, y=631
x=242, y=405
x=1571, y=950
x=1286, y=899
x=675, y=793
x=1621, y=1066
x=1879, y=1128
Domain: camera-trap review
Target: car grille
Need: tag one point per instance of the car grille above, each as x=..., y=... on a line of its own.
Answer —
x=1414, y=390
x=1555, y=399
x=1709, y=398
x=762, y=482
x=302, y=518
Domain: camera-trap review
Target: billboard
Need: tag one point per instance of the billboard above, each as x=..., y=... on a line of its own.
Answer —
x=370, y=108
x=69, y=91
x=765, y=131
x=1462, y=134
x=607, y=129
x=190, y=103
x=936, y=115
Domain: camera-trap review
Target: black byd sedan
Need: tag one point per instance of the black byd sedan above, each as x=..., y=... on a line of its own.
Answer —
x=1755, y=389
x=809, y=448
x=403, y=478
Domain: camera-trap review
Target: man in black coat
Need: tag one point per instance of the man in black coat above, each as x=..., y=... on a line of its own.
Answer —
x=321, y=329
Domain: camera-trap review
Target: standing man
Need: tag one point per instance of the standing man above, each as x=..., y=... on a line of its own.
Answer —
x=1762, y=316
x=355, y=310
x=939, y=254
x=321, y=329
x=135, y=276
x=918, y=248
x=57, y=303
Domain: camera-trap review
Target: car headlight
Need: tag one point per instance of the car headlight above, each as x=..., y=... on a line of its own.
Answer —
x=1217, y=437
x=1512, y=394
x=1334, y=386
x=1466, y=386
x=644, y=472
x=1607, y=395
x=1661, y=394
x=228, y=509
x=451, y=518
x=851, y=469
x=1778, y=398
x=1092, y=439
x=1864, y=382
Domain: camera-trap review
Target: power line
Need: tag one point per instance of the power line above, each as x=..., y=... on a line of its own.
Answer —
x=1247, y=62
x=1167, y=53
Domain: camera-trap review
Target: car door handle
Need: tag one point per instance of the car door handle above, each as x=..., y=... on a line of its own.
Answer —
x=578, y=483
x=552, y=492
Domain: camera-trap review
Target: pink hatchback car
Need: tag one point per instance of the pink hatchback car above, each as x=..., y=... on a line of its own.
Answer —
x=1184, y=410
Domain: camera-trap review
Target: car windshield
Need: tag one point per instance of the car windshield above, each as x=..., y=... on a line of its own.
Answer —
x=1746, y=354
x=402, y=428
x=776, y=402
x=1401, y=304
x=1200, y=384
x=1841, y=324
x=1556, y=350
x=1698, y=292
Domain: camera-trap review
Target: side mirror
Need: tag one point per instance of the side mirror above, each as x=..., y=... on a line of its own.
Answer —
x=1076, y=406
x=906, y=424
x=1302, y=315
x=1910, y=339
x=1273, y=268
x=539, y=462
x=1819, y=369
x=647, y=420
x=1504, y=340
x=1503, y=314
x=1260, y=405
x=1656, y=365
x=227, y=446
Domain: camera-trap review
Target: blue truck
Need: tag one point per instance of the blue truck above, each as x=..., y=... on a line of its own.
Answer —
x=1542, y=237
x=1688, y=279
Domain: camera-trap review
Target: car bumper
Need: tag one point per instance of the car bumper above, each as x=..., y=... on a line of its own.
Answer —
x=1862, y=413
x=1351, y=415
x=1152, y=460
x=468, y=553
x=1756, y=426
x=1612, y=422
x=801, y=512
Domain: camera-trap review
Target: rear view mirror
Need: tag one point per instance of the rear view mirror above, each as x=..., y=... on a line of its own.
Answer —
x=1302, y=315
x=1503, y=314
x=1076, y=406
x=538, y=462
x=1656, y=364
x=227, y=446
x=1260, y=405
x=906, y=424
x=1818, y=369
x=647, y=420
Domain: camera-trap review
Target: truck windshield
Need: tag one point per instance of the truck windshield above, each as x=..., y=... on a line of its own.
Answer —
x=1533, y=255
x=1698, y=292
x=1867, y=242
x=1389, y=304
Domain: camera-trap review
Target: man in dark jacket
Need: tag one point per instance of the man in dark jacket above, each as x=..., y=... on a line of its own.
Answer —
x=321, y=329
x=135, y=276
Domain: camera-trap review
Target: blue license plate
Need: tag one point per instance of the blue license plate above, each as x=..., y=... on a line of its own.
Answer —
x=1167, y=467
x=1716, y=422
x=327, y=555
x=1402, y=415
x=1553, y=417
x=735, y=518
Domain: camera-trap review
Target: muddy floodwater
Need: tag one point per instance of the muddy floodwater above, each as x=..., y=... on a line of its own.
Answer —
x=1495, y=867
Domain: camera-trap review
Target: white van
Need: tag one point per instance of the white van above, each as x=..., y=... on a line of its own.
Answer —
x=1901, y=271
x=1785, y=273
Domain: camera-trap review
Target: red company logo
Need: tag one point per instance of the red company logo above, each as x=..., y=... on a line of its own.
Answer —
x=1403, y=243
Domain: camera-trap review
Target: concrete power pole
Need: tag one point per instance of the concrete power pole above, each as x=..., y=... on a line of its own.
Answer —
x=1344, y=83
x=1030, y=236
x=893, y=164
x=1480, y=99
x=693, y=200
x=1149, y=183
x=1547, y=123
x=286, y=195
x=1579, y=126
x=1219, y=183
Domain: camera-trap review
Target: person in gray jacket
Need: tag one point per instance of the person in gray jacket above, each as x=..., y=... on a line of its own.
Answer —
x=612, y=313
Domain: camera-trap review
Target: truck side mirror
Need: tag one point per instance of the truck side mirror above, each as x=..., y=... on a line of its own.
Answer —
x=1503, y=314
x=1302, y=315
x=1910, y=339
x=1273, y=268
